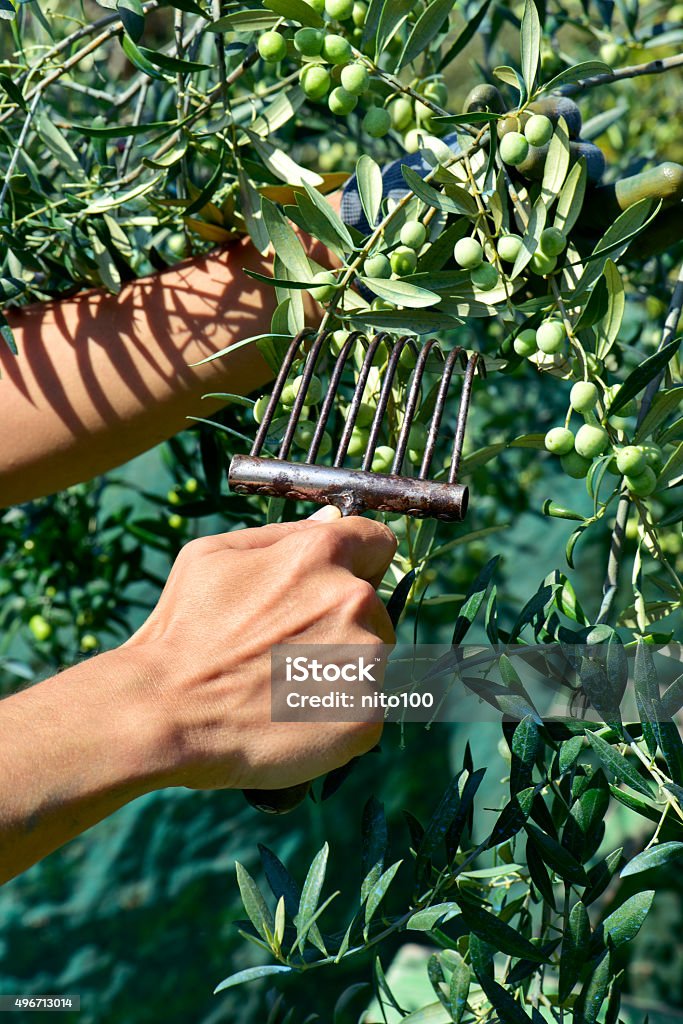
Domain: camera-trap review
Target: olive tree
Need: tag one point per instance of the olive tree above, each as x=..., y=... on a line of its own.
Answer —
x=135, y=136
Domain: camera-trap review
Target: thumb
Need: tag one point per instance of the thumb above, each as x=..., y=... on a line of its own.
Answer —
x=264, y=536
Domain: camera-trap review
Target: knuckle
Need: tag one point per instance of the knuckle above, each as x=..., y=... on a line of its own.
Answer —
x=198, y=548
x=360, y=597
x=325, y=544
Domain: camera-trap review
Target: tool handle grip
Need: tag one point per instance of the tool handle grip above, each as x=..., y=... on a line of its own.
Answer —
x=277, y=801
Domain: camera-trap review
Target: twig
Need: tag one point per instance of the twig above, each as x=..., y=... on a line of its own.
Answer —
x=651, y=67
x=18, y=148
x=610, y=586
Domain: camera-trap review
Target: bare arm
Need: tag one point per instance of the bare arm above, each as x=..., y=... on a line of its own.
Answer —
x=100, y=378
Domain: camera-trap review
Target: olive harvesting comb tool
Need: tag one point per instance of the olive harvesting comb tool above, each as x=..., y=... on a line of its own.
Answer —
x=355, y=491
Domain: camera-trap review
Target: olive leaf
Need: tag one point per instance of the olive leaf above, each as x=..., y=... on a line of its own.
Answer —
x=654, y=857
x=310, y=898
x=297, y=10
x=250, y=974
x=530, y=45
x=616, y=764
x=556, y=163
x=574, y=945
x=473, y=22
x=427, y=26
x=285, y=243
x=377, y=894
x=258, y=912
x=531, y=237
x=401, y=292
x=643, y=374
x=370, y=187
x=570, y=199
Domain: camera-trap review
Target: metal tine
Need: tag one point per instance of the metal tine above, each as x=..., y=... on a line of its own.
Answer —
x=357, y=398
x=411, y=404
x=383, y=402
x=278, y=388
x=300, y=399
x=465, y=396
x=331, y=394
x=439, y=406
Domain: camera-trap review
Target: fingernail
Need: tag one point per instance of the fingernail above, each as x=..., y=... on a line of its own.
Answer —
x=326, y=514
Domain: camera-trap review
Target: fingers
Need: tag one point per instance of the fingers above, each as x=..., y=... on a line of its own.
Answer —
x=265, y=536
x=363, y=546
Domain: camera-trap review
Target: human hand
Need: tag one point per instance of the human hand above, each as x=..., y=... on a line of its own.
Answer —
x=205, y=649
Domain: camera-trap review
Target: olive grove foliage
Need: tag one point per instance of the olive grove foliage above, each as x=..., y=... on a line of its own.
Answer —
x=143, y=132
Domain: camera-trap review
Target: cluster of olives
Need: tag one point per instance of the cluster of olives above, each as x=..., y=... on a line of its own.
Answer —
x=333, y=71
x=329, y=71
x=638, y=464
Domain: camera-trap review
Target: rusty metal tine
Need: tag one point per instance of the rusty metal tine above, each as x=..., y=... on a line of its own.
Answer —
x=357, y=398
x=278, y=387
x=437, y=415
x=383, y=402
x=459, y=438
x=300, y=399
x=331, y=394
x=411, y=404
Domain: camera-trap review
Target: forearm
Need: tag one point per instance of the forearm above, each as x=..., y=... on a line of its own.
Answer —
x=100, y=378
x=73, y=749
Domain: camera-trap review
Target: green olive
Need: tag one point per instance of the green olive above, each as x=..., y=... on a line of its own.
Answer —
x=509, y=247
x=325, y=289
x=437, y=92
x=631, y=460
x=590, y=440
x=413, y=234
x=583, y=396
x=377, y=266
x=468, y=253
x=359, y=13
x=525, y=343
x=550, y=336
x=538, y=130
x=383, y=459
x=272, y=47
x=40, y=628
x=484, y=277
x=417, y=439
x=336, y=49
x=403, y=260
x=355, y=78
x=308, y=41
x=291, y=391
x=559, y=441
x=315, y=81
x=541, y=263
x=339, y=10
x=643, y=483
x=513, y=149
x=358, y=442
x=341, y=102
x=259, y=409
x=555, y=107
x=401, y=113
x=376, y=122
x=552, y=241
x=575, y=465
